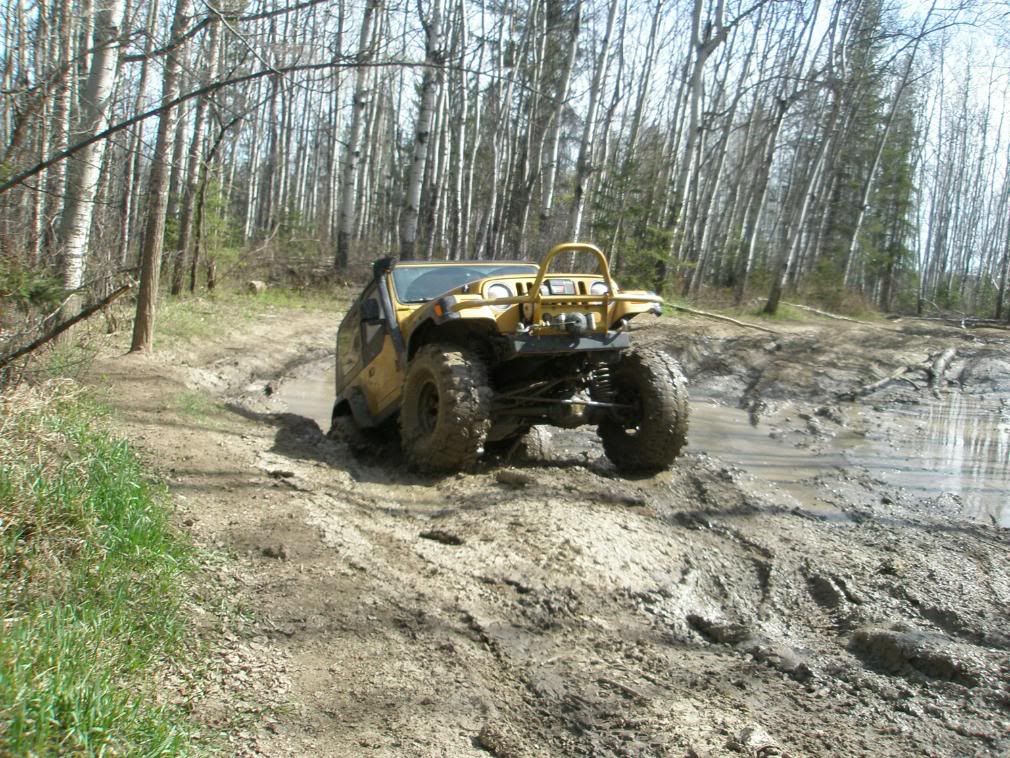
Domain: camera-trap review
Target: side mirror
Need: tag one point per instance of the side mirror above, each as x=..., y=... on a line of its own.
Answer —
x=370, y=311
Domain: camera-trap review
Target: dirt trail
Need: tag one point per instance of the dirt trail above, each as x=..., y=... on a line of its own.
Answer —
x=555, y=608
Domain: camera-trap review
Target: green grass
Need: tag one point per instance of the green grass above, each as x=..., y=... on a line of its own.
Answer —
x=90, y=587
x=187, y=318
x=783, y=313
x=70, y=357
x=329, y=299
x=197, y=405
x=723, y=307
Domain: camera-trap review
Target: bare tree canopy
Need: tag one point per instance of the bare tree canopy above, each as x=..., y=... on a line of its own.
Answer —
x=834, y=150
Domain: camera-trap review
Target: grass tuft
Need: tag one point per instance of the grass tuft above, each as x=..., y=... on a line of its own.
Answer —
x=89, y=585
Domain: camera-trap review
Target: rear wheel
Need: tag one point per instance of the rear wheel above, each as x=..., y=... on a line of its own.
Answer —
x=361, y=441
x=650, y=435
x=445, y=410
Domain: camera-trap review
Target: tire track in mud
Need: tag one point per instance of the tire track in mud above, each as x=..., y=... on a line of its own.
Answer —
x=719, y=616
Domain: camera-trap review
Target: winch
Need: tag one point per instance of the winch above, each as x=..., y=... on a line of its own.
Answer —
x=576, y=324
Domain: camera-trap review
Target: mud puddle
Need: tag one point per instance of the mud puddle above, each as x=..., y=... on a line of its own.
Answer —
x=310, y=392
x=956, y=446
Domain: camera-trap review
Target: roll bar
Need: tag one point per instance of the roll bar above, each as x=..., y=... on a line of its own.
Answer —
x=573, y=247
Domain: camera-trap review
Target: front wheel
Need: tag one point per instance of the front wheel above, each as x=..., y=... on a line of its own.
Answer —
x=445, y=411
x=649, y=435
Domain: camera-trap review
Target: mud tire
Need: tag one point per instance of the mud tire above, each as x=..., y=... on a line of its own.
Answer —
x=535, y=445
x=362, y=442
x=445, y=410
x=651, y=437
x=529, y=446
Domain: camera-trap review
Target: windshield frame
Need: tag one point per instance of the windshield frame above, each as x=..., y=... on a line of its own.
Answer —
x=404, y=277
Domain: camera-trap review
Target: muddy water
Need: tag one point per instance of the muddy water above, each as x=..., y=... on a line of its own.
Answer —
x=310, y=394
x=956, y=446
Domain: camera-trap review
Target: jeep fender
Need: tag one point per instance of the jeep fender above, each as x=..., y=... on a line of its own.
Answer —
x=456, y=332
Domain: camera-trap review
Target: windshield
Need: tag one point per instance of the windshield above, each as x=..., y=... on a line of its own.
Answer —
x=417, y=284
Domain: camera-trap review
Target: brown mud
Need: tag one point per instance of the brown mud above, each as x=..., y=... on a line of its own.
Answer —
x=780, y=591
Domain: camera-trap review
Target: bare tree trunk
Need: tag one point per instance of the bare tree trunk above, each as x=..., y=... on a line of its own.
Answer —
x=333, y=138
x=440, y=153
x=459, y=239
x=59, y=123
x=175, y=165
x=352, y=153
x=154, y=234
x=201, y=195
x=560, y=100
x=786, y=262
x=252, y=183
x=134, y=157
x=584, y=163
x=704, y=42
x=478, y=134
x=434, y=60
x=193, y=163
x=83, y=175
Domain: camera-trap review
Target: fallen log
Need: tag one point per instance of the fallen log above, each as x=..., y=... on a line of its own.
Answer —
x=933, y=369
x=826, y=314
x=961, y=322
x=869, y=389
x=838, y=317
x=718, y=317
x=91, y=310
x=939, y=367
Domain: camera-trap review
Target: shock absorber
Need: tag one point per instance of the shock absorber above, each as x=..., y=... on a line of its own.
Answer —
x=601, y=384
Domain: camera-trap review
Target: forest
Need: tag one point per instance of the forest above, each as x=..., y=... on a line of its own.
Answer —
x=852, y=153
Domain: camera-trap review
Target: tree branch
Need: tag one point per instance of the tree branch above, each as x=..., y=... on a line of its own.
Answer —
x=6, y=360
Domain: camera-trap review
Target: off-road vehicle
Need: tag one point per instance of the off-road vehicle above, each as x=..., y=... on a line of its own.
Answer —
x=469, y=356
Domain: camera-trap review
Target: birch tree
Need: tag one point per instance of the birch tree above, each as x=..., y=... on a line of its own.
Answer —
x=352, y=151
x=83, y=175
x=584, y=163
x=560, y=103
x=434, y=61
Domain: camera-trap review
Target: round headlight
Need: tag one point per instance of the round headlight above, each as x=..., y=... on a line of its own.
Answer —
x=496, y=291
x=599, y=288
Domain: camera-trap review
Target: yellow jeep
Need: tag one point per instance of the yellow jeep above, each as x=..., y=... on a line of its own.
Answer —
x=470, y=356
